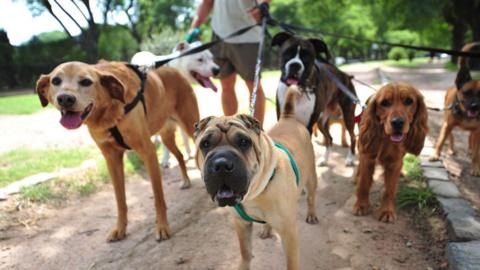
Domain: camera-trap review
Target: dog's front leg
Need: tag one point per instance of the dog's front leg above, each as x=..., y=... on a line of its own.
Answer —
x=387, y=208
x=474, y=142
x=114, y=159
x=364, y=180
x=444, y=133
x=244, y=234
x=149, y=156
x=289, y=234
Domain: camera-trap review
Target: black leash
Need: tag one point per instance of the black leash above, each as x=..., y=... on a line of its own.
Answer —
x=205, y=46
x=292, y=28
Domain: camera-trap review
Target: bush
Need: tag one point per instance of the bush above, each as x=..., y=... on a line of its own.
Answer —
x=397, y=54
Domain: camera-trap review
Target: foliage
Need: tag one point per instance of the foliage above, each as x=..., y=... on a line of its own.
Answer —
x=163, y=42
x=38, y=193
x=123, y=47
x=415, y=197
x=397, y=54
x=24, y=104
x=412, y=168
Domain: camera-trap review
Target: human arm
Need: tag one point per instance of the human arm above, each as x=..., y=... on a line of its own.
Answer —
x=203, y=10
x=255, y=11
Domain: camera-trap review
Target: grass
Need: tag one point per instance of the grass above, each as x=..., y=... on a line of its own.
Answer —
x=404, y=63
x=83, y=183
x=19, y=105
x=414, y=192
x=19, y=163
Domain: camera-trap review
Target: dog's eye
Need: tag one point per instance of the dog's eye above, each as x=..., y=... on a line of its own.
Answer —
x=244, y=143
x=385, y=103
x=204, y=144
x=200, y=60
x=86, y=82
x=408, y=101
x=468, y=93
x=56, y=81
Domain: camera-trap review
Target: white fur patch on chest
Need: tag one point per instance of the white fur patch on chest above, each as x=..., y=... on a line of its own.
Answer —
x=303, y=107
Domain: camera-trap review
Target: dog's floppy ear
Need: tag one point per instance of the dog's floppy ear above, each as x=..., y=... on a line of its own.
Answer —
x=42, y=87
x=200, y=125
x=370, y=134
x=280, y=38
x=114, y=87
x=419, y=127
x=320, y=47
x=463, y=76
x=251, y=123
x=182, y=46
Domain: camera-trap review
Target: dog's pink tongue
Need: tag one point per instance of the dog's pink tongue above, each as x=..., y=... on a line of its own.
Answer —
x=71, y=120
x=292, y=81
x=225, y=193
x=207, y=83
x=472, y=114
x=396, y=137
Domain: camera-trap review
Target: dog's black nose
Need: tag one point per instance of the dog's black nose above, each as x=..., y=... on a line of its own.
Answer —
x=397, y=123
x=66, y=100
x=222, y=164
x=295, y=67
x=215, y=71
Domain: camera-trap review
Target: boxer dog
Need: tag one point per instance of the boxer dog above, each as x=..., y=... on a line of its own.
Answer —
x=243, y=166
x=304, y=62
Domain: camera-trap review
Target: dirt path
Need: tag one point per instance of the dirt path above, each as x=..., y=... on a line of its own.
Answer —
x=73, y=235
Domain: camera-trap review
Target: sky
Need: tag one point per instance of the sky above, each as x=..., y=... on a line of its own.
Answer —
x=20, y=24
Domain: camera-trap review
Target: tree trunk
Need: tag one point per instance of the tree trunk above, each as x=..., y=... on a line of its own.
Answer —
x=458, y=37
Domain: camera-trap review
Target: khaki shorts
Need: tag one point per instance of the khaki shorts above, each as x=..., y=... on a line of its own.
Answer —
x=235, y=57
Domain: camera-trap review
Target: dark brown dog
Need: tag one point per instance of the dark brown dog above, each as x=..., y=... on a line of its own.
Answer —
x=97, y=95
x=394, y=123
x=462, y=103
x=321, y=95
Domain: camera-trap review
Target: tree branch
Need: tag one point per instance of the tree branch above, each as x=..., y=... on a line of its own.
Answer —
x=68, y=14
x=79, y=9
x=49, y=8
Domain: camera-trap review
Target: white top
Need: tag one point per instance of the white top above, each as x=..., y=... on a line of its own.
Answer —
x=229, y=16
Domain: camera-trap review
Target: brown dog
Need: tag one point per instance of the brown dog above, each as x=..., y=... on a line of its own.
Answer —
x=240, y=164
x=394, y=123
x=463, y=110
x=98, y=95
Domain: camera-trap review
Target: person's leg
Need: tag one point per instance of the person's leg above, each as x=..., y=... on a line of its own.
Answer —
x=229, y=98
x=260, y=103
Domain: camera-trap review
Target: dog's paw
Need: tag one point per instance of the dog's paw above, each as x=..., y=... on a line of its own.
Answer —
x=451, y=152
x=244, y=265
x=117, y=234
x=266, y=232
x=311, y=219
x=434, y=157
x=186, y=184
x=361, y=209
x=162, y=233
x=387, y=215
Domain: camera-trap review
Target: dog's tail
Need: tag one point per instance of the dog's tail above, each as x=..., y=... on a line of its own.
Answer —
x=288, y=109
x=462, y=61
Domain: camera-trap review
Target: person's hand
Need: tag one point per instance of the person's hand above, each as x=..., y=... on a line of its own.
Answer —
x=259, y=12
x=193, y=35
x=255, y=13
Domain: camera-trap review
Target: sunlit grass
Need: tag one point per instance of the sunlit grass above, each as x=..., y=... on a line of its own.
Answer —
x=18, y=105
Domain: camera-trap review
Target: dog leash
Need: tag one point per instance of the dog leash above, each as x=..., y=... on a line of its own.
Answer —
x=239, y=207
x=258, y=65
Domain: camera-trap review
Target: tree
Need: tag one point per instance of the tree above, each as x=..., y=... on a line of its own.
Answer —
x=7, y=67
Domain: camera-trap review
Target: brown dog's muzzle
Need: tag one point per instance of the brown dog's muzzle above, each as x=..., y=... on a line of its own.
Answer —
x=225, y=177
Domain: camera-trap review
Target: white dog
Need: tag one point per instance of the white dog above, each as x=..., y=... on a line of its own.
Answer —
x=197, y=68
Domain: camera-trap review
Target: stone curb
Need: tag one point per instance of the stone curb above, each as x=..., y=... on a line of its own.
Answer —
x=463, y=223
x=42, y=177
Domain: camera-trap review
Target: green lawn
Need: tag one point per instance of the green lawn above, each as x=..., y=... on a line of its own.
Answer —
x=19, y=163
x=24, y=104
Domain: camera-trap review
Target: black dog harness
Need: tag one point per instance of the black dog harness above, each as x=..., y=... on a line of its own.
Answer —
x=138, y=98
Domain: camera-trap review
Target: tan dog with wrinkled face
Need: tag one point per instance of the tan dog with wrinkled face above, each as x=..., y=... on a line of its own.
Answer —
x=240, y=164
x=96, y=95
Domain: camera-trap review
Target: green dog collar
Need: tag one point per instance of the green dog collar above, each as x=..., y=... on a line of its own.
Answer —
x=239, y=208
